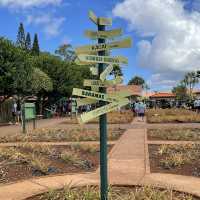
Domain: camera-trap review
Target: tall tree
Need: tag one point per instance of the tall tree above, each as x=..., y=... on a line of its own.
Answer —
x=28, y=42
x=117, y=71
x=66, y=52
x=36, y=47
x=180, y=91
x=21, y=37
x=137, y=80
x=190, y=80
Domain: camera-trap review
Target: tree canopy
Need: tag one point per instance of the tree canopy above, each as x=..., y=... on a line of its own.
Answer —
x=137, y=80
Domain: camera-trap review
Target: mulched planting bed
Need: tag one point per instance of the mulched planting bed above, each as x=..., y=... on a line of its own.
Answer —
x=175, y=159
x=29, y=160
x=62, y=135
x=116, y=117
x=172, y=116
x=116, y=193
x=178, y=134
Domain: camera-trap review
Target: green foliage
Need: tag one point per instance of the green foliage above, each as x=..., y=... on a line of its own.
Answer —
x=66, y=52
x=190, y=80
x=41, y=81
x=35, y=48
x=117, y=71
x=18, y=73
x=180, y=91
x=21, y=37
x=65, y=76
x=137, y=81
x=28, y=42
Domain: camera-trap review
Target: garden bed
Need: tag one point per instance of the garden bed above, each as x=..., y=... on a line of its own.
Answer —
x=62, y=135
x=177, y=134
x=116, y=193
x=172, y=116
x=116, y=117
x=28, y=160
x=175, y=159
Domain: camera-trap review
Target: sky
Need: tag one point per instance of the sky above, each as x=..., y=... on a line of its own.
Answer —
x=165, y=33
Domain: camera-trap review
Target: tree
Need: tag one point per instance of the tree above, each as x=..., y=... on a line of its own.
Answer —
x=65, y=76
x=189, y=81
x=21, y=37
x=35, y=48
x=180, y=91
x=66, y=52
x=117, y=71
x=28, y=42
x=137, y=81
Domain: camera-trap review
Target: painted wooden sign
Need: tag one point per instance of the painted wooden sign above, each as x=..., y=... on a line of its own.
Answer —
x=102, y=110
x=103, y=34
x=102, y=59
x=105, y=21
x=126, y=43
x=93, y=95
x=93, y=17
x=85, y=101
x=106, y=72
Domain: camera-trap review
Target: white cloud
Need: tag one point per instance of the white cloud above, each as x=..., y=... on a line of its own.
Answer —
x=50, y=24
x=175, y=32
x=28, y=3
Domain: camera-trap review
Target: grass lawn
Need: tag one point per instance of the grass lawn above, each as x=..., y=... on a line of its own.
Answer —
x=62, y=135
x=175, y=159
x=178, y=134
x=116, y=193
x=116, y=117
x=29, y=160
x=172, y=116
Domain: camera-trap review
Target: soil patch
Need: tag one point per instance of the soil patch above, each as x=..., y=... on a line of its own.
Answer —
x=177, y=134
x=62, y=135
x=172, y=116
x=175, y=159
x=28, y=160
x=117, y=193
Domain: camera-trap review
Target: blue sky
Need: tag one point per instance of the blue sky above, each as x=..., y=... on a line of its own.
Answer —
x=160, y=59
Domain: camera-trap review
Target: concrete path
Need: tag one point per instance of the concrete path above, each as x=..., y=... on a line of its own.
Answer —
x=128, y=165
x=43, y=123
x=127, y=158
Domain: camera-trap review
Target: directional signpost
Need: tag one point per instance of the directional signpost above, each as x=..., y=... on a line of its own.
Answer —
x=93, y=55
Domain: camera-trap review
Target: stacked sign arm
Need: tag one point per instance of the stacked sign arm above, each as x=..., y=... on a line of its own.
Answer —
x=89, y=55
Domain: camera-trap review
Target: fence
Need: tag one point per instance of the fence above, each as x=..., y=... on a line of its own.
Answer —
x=6, y=111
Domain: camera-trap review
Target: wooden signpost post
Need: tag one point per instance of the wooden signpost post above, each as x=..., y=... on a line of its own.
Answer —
x=92, y=55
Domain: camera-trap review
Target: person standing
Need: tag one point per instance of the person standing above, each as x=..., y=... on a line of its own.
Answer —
x=141, y=110
x=18, y=112
x=136, y=108
x=14, y=112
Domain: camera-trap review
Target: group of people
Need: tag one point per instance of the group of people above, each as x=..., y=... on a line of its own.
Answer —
x=139, y=108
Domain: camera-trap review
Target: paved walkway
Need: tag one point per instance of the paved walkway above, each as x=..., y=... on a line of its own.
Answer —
x=127, y=158
x=128, y=165
x=43, y=123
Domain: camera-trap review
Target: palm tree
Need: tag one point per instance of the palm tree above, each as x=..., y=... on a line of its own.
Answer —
x=190, y=80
